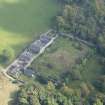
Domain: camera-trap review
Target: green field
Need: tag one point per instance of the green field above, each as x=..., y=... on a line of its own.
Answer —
x=23, y=20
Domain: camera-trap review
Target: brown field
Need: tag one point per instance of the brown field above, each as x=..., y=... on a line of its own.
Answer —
x=6, y=89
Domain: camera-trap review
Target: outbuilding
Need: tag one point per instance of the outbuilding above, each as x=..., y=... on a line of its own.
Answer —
x=29, y=72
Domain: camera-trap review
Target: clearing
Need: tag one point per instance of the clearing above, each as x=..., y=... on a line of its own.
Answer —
x=59, y=57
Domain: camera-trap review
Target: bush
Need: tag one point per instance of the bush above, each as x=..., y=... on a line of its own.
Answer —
x=100, y=83
x=6, y=55
x=71, y=76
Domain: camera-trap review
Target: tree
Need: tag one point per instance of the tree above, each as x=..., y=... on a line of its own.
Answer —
x=51, y=101
x=22, y=97
x=98, y=102
x=81, y=18
x=23, y=101
x=67, y=91
x=84, y=89
x=34, y=100
x=50, y=86
x=100, y=83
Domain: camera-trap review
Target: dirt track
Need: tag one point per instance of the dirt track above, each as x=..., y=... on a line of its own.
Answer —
x=6, y=89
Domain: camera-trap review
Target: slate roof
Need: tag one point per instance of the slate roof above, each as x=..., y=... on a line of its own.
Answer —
x=45, y=39
x=34, y=49
x=29, y=72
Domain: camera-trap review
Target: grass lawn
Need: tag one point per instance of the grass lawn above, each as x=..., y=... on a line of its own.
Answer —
x=59, y=57
x=23, y=20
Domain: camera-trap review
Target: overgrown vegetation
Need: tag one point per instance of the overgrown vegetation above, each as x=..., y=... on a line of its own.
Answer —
x=79, y=70
x=60, y=57
x=84, y=19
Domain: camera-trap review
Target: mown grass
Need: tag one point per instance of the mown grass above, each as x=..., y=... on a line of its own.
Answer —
x=21, y=21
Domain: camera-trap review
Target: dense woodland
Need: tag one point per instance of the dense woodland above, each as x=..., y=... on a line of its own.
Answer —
x=36, y=94
x=84, y=19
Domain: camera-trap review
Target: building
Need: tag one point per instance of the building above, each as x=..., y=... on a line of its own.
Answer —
x=34, y=48
x=45, y=39
x=14, y=73
x=29, y=72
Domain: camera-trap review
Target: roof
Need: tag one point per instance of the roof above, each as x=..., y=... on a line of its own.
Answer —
x=45, y=39
x=29, y=72
x=34, y=49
